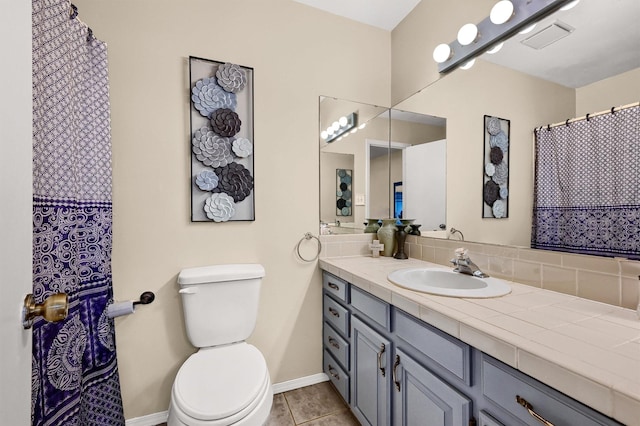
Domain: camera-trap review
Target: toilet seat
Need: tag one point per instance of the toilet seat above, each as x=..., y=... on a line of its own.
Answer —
x=221, y=385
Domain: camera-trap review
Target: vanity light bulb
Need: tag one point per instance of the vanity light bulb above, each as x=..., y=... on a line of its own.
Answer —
x=570, y=5
x=324, y=134
x=343, y=121
x=467, y=34
x=495, y=48
x=442, y=53
x=501, y=12
x=467, y=64
x=335, y=126
x=528, y=29
x=330, y=130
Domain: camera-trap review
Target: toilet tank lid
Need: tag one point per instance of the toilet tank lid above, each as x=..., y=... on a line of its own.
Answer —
x=218, y=273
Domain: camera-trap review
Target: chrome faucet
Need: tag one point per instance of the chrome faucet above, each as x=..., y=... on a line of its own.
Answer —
x=464, y=265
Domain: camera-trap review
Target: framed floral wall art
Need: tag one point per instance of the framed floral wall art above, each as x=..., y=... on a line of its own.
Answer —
x=221, y=143
x=343, y=192
x=495, y=191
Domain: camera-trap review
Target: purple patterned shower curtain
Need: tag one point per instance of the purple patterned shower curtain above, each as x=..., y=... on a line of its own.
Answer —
x=587, y=186
x=75, y=374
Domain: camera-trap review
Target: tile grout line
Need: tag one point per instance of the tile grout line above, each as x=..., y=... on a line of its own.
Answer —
x=286, y=401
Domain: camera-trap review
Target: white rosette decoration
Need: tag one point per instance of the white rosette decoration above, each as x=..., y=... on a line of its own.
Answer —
x=207, y=96
x=500, y=140
x=207, y=180
x=489, y=169
x=211, y=149
x=219, y=207
x=498, y=209
x=242, y=147
x=504, y=192
x=231, y=77
x=493, y=126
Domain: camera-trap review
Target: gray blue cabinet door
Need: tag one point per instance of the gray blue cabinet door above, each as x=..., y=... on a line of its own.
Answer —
x=370, y=375
x=421, y=398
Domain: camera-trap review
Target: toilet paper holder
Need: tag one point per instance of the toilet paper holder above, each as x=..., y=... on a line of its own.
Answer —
x=118, y=309
x=145, y=298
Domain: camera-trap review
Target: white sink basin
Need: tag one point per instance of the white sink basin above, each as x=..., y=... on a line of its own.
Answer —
x=448, y=283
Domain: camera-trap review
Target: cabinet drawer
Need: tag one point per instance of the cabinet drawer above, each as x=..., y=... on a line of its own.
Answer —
x=448, y=352
x=336, y=345
x=336, y=374
x=335, y=286
x=501, y=384
x=486, y=420
x=376, y=309
x=336, y=315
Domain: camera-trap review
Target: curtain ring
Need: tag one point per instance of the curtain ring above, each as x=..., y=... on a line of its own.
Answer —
x=73, y=12
x=548, y=127
x=612, y=110
x=308, y=236
x=566, y=123
x=587, y=116
x=89, y=35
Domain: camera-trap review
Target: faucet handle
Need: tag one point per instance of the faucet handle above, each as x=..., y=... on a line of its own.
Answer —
x=461, y=253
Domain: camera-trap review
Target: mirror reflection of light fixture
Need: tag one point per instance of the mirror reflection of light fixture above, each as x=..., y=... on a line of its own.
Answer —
x=467, y=64
x=528, y=29
x=508, y=17
x=570, y=5
x=467, y=34
x=496, y=48
x=501, y=12
x=340, y=128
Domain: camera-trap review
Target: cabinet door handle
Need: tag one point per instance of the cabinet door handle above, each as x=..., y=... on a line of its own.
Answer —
x=334, y=312
x=395, y=373
x=333, y=286
x=533, y=414
x=382, y=350
x=333, y=372
x=333, y=342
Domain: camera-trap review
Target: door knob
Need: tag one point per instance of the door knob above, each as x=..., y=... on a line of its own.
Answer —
x=53, y=309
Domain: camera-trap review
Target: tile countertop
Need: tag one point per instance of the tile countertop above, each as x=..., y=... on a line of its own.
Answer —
x=585, y=349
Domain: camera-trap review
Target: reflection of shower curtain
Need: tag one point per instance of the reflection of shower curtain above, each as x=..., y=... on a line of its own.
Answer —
x=75, y=376
x=587, y=186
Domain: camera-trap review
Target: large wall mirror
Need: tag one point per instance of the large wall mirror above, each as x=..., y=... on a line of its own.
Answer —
x=373, y=166
x=595, y=67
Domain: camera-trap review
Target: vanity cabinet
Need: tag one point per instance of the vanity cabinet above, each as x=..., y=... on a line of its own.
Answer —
x=422, y=398
x=394, y=369
x=370, y=375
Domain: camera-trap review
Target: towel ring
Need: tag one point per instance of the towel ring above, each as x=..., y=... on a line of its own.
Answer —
x=308, y=236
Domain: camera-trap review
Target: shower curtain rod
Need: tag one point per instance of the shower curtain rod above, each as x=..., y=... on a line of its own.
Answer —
x=591, y=115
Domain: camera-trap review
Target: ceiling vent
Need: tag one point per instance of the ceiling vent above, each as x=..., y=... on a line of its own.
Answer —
x=548, y=35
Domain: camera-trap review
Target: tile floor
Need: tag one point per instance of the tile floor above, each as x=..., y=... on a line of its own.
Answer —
x=315, y=405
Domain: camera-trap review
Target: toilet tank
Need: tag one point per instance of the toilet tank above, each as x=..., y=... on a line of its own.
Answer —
x=220, y=302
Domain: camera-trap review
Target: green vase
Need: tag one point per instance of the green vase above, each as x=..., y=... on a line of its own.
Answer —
x=387, y=236
x=372, y=226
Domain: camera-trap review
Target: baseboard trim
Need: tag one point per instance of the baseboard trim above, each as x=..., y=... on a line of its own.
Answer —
x=148, y=420
x=157, y=418
x=300, y=382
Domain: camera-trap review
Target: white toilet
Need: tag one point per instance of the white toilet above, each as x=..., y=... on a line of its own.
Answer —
x=226, y=382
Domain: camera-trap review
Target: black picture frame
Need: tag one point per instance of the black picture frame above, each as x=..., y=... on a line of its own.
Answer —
x=242, y=201
x=495, y=168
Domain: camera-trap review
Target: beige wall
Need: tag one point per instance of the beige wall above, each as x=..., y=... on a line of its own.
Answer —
x=287, y=44
x=619, y=90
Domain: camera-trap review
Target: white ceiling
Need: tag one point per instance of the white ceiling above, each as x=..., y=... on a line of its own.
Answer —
x=385, y=14
x=606, y=40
